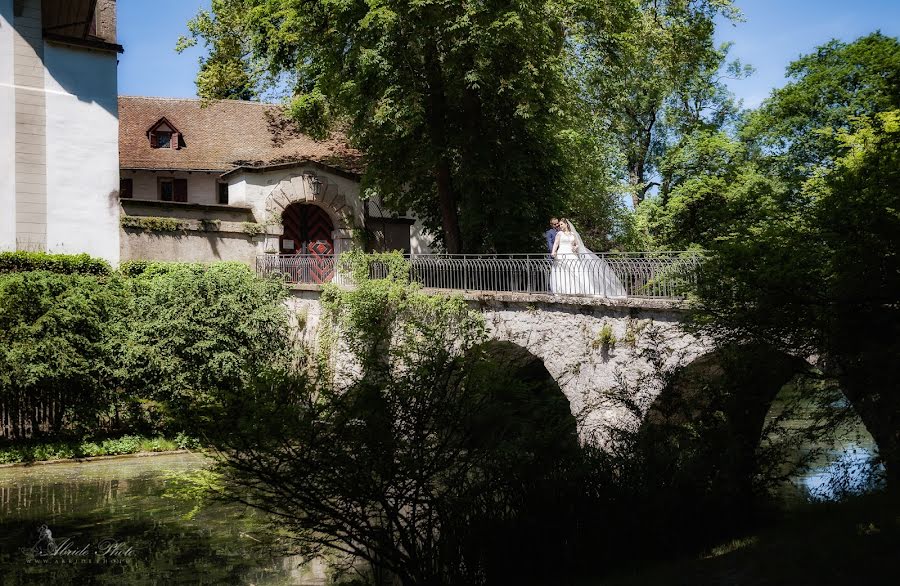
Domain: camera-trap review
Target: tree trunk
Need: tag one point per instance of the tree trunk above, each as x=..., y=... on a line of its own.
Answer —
x=636, y=181
x=638, y=160
x=437, y=125
x=449, y=208
x=879, y=409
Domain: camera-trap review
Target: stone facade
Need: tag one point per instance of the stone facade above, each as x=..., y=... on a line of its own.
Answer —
x=565, y=334
x=245, y=149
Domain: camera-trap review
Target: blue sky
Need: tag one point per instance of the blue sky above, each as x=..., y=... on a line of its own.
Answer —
x=775, y=33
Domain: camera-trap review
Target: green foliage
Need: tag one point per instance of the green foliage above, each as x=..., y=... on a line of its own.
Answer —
x=55, y=344
x=19, y=261
x=651, y=76
x=153, y=223
x=210, y=225
x=63, y=450
x=606, y=339
x=804, y=248
x=459, y=107
x=199, y=328
x=228, y=73
x=253, y=228
x=829, y=88
x=450, y=447
x=141, y=349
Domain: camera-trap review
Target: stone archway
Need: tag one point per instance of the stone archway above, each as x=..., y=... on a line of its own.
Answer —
x=297, y=188
x=701, y=434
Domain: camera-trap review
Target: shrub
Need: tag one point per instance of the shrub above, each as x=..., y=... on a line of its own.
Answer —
x=252, y=228
x=195, y=330
x=22, y=261
x=55, y=333
x=131, y=350
x=153, y=223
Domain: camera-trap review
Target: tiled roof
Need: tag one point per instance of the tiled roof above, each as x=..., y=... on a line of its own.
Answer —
x=221, y=136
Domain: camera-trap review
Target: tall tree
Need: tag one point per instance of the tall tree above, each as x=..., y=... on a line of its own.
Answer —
x=229, y=72
x=652, y=74
x=829, y=88
x=458, y=106
x=804, y=244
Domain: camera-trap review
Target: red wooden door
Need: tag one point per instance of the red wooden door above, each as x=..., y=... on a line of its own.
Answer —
x=307, y=230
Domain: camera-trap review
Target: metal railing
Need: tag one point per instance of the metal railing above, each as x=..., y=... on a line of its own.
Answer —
x=665, y=275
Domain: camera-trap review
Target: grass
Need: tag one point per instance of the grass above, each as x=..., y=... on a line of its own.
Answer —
x=853, y=542
x=61, y=450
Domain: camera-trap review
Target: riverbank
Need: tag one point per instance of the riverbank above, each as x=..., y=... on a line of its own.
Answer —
x=853, y=542
x=87, y=449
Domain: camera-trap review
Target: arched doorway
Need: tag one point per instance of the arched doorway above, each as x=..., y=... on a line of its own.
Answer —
x=307, y=231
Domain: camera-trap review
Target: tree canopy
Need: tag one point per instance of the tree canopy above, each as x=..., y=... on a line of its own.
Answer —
x=458, y=107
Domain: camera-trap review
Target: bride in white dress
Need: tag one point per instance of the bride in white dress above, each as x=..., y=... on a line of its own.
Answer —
x=578, y=271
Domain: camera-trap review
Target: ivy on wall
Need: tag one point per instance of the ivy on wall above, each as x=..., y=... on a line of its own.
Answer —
x=153, y=223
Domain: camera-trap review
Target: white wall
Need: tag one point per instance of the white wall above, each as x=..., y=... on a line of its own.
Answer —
x=419, y=241
x=82, y=151
x=201, y=185
x=7, y=130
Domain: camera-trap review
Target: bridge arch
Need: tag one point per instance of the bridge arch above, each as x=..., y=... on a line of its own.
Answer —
x=533, y=394
x=706, y=426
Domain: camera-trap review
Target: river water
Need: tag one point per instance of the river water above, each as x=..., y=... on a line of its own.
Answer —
x=111, y=523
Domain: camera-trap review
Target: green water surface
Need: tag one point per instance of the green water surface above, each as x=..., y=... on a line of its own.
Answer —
x=110, y=523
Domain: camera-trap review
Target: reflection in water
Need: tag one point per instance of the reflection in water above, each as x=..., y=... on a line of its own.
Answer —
x=850, y=469
x=111, y=524
x=820, y=434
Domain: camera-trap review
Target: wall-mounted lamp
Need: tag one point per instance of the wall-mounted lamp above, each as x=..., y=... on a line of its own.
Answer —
x=315, y=184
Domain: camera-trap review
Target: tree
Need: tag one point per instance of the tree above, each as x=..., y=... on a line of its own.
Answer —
x=652, y=75
x=458, y=107
x=797, y=213
x=713, y=188
x=426, y=459
x=229, y=72
x=796, y=127
x=820, y=277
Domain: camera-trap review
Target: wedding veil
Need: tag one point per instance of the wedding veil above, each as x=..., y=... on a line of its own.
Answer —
x=604, y=279
x=580, y=248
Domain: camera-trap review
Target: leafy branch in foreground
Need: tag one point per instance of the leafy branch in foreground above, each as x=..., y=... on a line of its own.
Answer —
x=427, y=459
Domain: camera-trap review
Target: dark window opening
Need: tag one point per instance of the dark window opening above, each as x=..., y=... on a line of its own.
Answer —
x=163, y=140
x=223, y=193
x=166, y=189
x=126, y=187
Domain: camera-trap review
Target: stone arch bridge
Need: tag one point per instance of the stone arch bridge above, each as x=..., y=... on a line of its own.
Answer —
x=587, y=345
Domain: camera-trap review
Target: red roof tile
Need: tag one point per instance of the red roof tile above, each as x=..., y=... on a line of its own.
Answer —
x=220, y=136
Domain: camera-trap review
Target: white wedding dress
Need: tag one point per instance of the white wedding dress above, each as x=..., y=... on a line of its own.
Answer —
x=578, y=271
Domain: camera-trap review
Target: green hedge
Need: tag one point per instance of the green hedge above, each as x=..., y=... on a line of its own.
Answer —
x=139, y=350
x=84, y=264
x=88, y=448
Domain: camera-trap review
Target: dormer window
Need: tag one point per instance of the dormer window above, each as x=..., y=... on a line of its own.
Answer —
x=163, y=135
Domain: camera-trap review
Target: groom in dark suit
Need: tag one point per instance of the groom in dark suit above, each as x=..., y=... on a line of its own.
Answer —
x=550, y=234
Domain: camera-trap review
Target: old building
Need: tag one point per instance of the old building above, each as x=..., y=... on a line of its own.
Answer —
x=59, y=126
x=232, y=180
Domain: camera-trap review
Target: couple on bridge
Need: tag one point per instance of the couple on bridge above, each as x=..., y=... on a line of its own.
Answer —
x=575, y=269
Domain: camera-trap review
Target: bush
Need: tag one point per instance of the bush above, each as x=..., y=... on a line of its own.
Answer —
x=130, y=351
x=153, y=223
x=128, y=444
x=195, y=330
x=55, y=346
x=84, y=264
